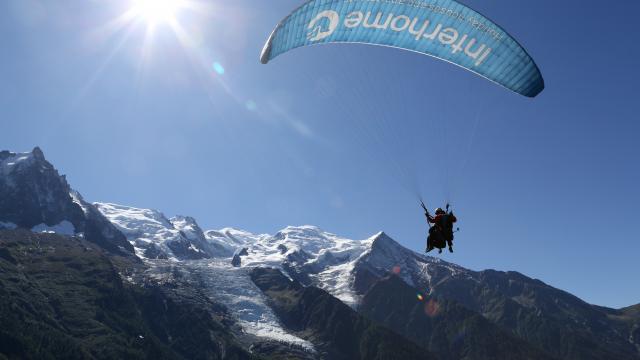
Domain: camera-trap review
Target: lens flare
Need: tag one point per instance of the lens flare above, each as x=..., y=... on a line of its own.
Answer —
x=218, y=68
x=432, y=308
x=251, y=105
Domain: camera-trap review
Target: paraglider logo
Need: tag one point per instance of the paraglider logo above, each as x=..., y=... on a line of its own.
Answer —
x=316, y=32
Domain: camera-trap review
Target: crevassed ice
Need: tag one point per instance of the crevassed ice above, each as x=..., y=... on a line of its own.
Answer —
x=234, y=288
x=333, y=257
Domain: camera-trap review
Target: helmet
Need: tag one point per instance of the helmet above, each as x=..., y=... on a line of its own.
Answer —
x=439, y=211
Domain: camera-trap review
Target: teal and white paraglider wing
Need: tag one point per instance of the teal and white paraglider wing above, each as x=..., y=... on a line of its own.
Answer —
x=444, y=29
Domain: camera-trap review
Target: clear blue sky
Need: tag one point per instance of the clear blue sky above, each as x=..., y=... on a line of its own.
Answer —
x=191, y=123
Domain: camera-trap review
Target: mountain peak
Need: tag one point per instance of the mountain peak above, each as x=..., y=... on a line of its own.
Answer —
x=380, y=236
x=35, y=196
x=382, y=241
x=38, y=154
x=183, y=218
x=10, y=161
x=303, y=230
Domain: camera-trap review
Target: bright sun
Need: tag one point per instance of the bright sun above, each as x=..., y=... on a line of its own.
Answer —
x=157, y=11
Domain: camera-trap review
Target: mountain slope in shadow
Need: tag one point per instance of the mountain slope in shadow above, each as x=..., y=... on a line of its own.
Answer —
x=62, y=297
x=442, y=326
x=337, y=330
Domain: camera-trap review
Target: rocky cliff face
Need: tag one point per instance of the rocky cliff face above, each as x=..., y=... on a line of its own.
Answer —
x=33, y=195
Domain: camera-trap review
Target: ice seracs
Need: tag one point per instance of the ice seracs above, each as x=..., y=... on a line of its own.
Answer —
x=233, y=287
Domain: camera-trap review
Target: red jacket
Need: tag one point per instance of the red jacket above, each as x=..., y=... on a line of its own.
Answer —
x=438, y=219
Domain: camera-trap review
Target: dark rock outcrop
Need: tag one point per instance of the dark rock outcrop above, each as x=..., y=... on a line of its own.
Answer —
x=333, y=327
x=32, y=192
x=236, y=261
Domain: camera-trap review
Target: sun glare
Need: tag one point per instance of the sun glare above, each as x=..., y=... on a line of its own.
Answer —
x=152, y=22
x=157, y=11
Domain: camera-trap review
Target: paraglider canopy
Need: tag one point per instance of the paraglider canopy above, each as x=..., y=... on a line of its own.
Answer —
x=444, y=29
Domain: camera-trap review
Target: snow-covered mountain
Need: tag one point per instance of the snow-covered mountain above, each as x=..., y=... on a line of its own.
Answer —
x=155, y=236
x=310, y=255
x=343, y=267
